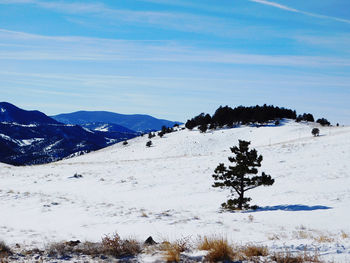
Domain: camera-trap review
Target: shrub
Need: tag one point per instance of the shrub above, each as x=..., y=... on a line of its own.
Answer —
x=115, y=246
x=5, y=250
x=59, y=249
x=305, y=117
x=149, y=144
x=90, y=248
x=323, y=122
x=315, y=132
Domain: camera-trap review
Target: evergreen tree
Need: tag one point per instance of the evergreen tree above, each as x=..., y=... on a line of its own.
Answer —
x=164, y=129
x=315, y=132
x=203, y=128
x=323, y=122
x=226, y=116
x=149, y=144
x=241, y=177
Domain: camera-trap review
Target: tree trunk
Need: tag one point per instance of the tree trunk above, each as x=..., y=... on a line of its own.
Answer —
x=240, y=201
x=241, y=194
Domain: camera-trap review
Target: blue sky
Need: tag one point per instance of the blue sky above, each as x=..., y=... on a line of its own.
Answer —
x=175, y=59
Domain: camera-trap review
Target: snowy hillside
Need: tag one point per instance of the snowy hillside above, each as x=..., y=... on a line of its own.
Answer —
x=165, y=191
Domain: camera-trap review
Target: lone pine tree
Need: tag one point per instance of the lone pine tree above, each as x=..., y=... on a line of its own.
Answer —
x=241, y=177
x=315, y=132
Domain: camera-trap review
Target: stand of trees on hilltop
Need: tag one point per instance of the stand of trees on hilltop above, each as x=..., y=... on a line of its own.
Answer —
x=226, y=116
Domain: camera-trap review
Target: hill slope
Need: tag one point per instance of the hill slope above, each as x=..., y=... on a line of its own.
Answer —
x=135, y=122
x=165, y=191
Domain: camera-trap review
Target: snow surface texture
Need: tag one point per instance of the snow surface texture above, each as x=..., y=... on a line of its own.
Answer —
x=165, y=191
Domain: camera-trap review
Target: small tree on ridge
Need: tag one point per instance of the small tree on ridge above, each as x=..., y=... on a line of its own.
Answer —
x=242, y=177
x=315, y=132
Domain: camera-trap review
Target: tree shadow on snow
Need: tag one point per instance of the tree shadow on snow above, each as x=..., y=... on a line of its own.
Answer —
x=292, y=208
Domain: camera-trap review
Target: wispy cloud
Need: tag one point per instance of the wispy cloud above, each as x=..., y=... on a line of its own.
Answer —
x=69, y=48
x=287, y=8
x=170, y=20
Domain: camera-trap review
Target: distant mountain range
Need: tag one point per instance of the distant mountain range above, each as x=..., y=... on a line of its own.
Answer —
x=12, y=114
x=31, y=137
x=135, y=122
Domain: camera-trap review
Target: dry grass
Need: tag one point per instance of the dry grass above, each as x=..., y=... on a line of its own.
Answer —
x=324, y=239
x=59, y=249
x=89, y=248
x=5, y=250
x=274, y=237
x=117, y=247
x=252, y=251
x=110, y=245
x=172, y=251
x=251, y=218
x=288, y=257
x=344, y=235
x=218, y=249
x=67, y=249
x=301, y=234
x=143, y=214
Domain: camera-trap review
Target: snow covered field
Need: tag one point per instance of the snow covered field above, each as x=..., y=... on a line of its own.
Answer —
x=165, y=191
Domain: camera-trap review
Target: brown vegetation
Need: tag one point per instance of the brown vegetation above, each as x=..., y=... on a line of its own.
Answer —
x=288, y=257
x=252, y=251
x=5, y=251
x=117, y=247
x=173, y=250
x=218, y=249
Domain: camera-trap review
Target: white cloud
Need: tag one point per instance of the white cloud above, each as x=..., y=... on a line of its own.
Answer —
x=287, y=8
x=179, y=21
x=38, y=47
x=264, y=2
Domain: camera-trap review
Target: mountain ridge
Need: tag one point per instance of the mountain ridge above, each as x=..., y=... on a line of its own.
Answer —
x=135, y=122
x=12, y=113
x=31, y=137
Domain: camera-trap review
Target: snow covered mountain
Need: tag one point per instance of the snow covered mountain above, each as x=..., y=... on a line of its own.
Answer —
x=11, y=113
x=106, y=127
x=165, y=191
x=135, y=122
x=31, y=137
